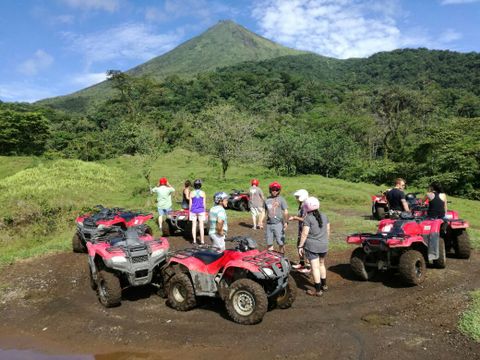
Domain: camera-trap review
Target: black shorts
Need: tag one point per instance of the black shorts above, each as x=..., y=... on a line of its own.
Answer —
x=312, y=256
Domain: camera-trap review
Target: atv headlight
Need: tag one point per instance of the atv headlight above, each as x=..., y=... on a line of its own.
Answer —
x=157, y=253
x=387, y=228
x=118, y=259
x=267, y=271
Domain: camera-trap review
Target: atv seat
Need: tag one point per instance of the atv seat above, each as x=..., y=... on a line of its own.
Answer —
x=208, y=256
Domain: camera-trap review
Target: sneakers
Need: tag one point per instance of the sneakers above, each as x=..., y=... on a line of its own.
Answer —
x=304, y=270
x=324, y=288
x=297, y=266
x=312, y=292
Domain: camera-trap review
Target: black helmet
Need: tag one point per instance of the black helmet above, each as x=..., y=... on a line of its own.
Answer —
x=197, y=184
x=410, y=197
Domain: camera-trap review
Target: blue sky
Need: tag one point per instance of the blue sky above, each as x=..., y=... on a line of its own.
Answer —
x=55, y=47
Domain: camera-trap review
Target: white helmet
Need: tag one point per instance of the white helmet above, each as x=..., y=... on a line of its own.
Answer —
x=311, y=204
x=301, y=194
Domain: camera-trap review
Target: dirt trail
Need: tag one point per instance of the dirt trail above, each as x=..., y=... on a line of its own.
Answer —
x=46, y=303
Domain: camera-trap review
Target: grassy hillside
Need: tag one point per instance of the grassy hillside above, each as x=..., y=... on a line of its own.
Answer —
x=224, y=44
x=39, y=204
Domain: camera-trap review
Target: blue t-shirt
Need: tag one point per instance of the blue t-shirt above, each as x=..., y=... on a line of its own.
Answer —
x=217, y=212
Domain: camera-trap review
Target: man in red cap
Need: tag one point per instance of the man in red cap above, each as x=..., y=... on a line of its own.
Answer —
x=277, y=217
x=164, y=199
x=256, y=204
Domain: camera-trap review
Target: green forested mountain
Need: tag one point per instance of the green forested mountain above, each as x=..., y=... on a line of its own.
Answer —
x=224, y=44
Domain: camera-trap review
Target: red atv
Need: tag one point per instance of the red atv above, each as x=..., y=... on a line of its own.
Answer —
x=246, y=279
x=120, y=258
x=402, y=244
x=381, y=210
x=239, y=200
x=88, y=225
x=177, y=222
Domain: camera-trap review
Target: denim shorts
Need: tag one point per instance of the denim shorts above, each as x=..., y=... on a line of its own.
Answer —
x=164, y=211
x=312, y=256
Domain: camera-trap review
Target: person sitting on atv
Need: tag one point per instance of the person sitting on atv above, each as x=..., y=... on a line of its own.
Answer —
x=164, y=199
x=300, y=195
x=197, y=211
x=277, y=217
x=314, y=243
x=437, y=201
x=396, y=198
x=256, y=204
x=186, y=195
x=218, y=220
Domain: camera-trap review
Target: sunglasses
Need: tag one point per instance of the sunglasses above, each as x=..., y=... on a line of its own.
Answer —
x=274, y=189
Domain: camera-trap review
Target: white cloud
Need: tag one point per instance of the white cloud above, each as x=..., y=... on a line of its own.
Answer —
x=341, y=29
x=107, y=5
x=88, y=79
x=127, y=41
x=457, y=2
x=40, y=61
x=449, y=36
x=25, y=92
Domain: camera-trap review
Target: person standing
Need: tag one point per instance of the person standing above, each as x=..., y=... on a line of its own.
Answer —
x=217, y=217
x=164, y=199
x=197, y=209
x=396, y=197
x=186, y=195
x=314, y=243
x=277, y=217
x=300, y=195
x=256, y=204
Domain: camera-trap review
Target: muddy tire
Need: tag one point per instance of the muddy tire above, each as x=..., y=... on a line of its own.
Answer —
x=287, y=296
x=379, y=212
x=441, y=262
x=412, y=267
x=166, y=229
x=180, y=293
x=462, y=246
x=148, y=230
x=243, y=206
x=77, y=244
x=246, y=302
x=109, y=291
x=357, y=264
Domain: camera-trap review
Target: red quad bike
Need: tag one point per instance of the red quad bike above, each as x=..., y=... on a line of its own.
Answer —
x=238, y=200
x=176, y=222
x=402, y=244
x=381, y=210
x=246, y=279
x=89, y=225
x=119, y=258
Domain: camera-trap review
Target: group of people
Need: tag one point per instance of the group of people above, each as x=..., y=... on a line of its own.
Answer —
x=313, y=226
x=435, y=198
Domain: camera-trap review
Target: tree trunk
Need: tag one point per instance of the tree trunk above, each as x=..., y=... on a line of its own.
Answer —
x=224, y=167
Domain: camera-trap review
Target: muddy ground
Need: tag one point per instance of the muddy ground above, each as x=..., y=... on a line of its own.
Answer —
x=46, y=304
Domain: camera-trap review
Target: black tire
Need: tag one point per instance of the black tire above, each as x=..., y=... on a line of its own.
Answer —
x=287, y=296
x=78, y=245
x=148, y=230
x=242, y=206
x=381, y=213
x=246, y=302
x=109, y=291
x=93, y=284
x=412, y=267
x=441, y=262
x=166, y=229
x=462, y=245
x=180, y=292
x=357, y=264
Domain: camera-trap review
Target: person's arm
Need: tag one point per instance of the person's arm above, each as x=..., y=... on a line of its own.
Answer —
x=189, y=202
x=405, y=205
x=303, y=238
x=328, y=230
x=444, y=198
x=219, y=227
x=204, y=200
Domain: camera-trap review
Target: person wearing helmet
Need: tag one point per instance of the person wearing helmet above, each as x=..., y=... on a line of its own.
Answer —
x=218, y=220
x=257, y=204
x=164, y=199
x=277, y=217
x=300, y=195
x=197, y=211
x=314, y=243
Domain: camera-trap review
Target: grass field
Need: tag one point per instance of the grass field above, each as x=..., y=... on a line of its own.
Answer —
x=40, y=198
x=469, y=322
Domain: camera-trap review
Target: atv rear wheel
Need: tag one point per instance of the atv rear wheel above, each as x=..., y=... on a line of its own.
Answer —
x=109, y=291
x=357, y=263
x=462, y=245
x=379, y=212
x=246, y=302
x=77, y=244
x=442, y=256
x=166, y=229
x=243, y=206
x=181, y=294
x=412, y=267
x=287, y=296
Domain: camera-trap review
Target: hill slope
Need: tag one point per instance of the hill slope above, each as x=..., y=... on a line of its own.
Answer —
x=224, y=44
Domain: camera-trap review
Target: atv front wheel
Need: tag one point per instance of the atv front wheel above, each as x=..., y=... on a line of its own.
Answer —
x=181, y=294
x=166, y=229
x=357, y=263
x=109, y=291
x=462, y=245
x=93, y=283
x=442, y=256
x=412, y=267
x=246, y=302
x=287, y=296
x=148, y=230
x=77, y=244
